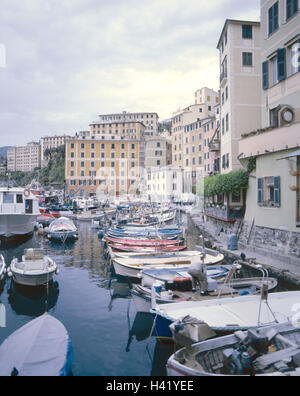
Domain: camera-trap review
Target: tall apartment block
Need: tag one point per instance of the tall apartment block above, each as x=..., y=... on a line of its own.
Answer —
x=240, y=87
x=107, y=161
x=24, y=159
x=187, y=134
x=150, y=120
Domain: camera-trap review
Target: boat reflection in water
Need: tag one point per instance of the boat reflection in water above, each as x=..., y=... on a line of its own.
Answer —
x=33, y=301
x=140, y=329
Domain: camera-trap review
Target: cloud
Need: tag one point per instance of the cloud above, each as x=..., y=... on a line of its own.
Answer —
x=69, y=61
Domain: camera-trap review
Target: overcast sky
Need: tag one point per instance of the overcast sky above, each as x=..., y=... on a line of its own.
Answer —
x=69, y=60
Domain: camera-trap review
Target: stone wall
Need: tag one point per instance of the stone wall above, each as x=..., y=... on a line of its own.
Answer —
x=281, y=242
x=268, y=241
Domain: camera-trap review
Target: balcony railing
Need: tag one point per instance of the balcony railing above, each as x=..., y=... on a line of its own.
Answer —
x=215, y=146
x=223, y=77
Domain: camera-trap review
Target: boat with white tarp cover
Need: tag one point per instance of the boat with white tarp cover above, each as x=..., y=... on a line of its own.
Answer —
x=40, y=348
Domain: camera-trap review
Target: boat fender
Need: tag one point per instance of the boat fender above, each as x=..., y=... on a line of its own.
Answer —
x=244, y=293
x=57, y=271
x=9, y=273
x=101, y=235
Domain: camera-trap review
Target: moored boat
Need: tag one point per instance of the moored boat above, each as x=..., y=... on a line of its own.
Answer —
x=40, y=348
x=35, y=269
x=180, y=290
x=18, y=212
x=227, y=315
x=269, y=351
x=131, y=267
x=62, y=229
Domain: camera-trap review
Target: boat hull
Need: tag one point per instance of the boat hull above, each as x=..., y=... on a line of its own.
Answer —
x=12, y=225
x=33, y=280
x=62, y=236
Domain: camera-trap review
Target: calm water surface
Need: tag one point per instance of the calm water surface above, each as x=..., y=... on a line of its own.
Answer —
x=109, y=338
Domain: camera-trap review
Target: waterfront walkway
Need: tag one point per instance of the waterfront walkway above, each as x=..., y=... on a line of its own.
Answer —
x=284, y=266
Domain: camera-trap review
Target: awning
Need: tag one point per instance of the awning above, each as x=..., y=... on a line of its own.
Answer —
x=290, y=155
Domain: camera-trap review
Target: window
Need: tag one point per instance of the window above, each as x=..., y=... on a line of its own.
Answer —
x=72, y=155
x=82, y=164
x=247, y=31
x=247, y=59
x=273, y=18
x=82, y=145
x=291, y=8
x=268, y=191
x=72, y=164
x=226, y=94
x=273, y=71
x=293, y=58
x=274, y=117
x=72, y=145
x=227, y=122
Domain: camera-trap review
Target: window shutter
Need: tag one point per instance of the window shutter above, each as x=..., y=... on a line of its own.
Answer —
x=281, y=64
x=277, y=191
x=265, y=75
x=260, y=192
x=288, y=9
x=270, y=21
x=275, y=16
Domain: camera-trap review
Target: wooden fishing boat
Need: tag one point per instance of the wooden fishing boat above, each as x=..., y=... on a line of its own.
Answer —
x=268, y=351
x=131, y=267
x=143, y=249
x=142, y=242
x=180, y=290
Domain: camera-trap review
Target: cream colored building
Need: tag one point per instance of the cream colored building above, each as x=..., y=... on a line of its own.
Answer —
x=50, y=142
x=24, y=159
x=150, y=120
x=158, y=152
x=240, y=86
x=108, y=161
x=187, y=136
x=165, y=183
x=273, y=196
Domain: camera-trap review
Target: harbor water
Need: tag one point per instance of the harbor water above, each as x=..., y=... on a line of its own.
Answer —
x=109, y=338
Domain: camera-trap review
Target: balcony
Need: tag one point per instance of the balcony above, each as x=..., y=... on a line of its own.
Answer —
x=223, y=78
x=215, y=146
x=268, y=141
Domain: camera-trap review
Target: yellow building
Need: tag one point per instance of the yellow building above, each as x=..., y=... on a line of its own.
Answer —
x=109, y=161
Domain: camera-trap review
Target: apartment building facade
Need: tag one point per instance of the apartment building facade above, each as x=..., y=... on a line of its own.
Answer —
x=25, y=158
x=273, y=196
x=108, y=161
x=150, y=120
x=158, y=152
x=240, y=81
x=165, y=183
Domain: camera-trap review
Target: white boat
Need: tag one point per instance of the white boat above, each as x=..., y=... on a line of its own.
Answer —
x=227, y=315
x=19, y=209
x=2, y=267
x=62, y=229
x=90, y=215
x=131, y=267
x=41, y=348
x=143, y=297
x=268, y=351
x=34, y=269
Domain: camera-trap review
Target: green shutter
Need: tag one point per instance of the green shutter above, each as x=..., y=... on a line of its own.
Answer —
x=265, y=67
x=277, y=202
x=260, y=195
x=281, y=64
